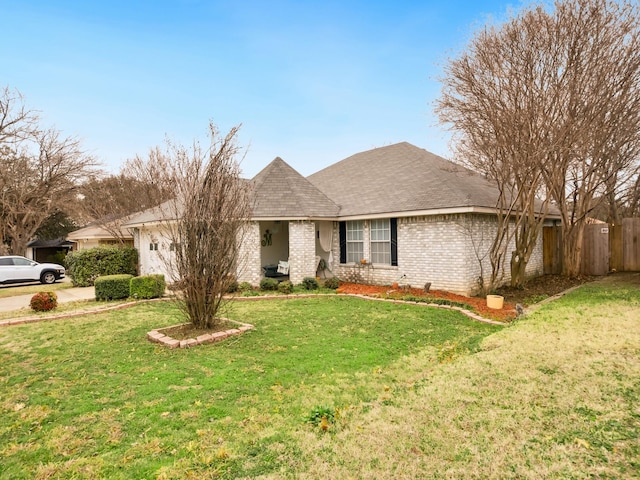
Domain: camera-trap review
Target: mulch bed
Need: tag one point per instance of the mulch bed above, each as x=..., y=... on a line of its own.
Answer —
x=475, y=304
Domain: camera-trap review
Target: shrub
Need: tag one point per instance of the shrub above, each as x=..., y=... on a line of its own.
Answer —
x=147, y=286
x=310, y=283
x=44, y=301
x=85, y=266
x=268, y=283
x=233, y=286
x=245, y=287
x=332, y=282
x=113, y=287
x=285, y=287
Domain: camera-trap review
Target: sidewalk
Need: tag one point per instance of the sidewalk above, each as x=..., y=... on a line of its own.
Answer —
x=66, y=295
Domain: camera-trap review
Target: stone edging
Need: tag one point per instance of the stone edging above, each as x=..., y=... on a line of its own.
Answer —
x=474, y=316
x=468, y=313
x=76, y=313
x=165, y=340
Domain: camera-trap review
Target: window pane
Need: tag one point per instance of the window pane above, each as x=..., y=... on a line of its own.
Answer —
x=355, y=245
x=380, y=231
x=355, y=251
x=381, y=241
x=354, y=231
x=381, y=253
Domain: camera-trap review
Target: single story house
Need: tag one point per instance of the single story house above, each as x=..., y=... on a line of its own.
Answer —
x=96, y=234
x=392, y=214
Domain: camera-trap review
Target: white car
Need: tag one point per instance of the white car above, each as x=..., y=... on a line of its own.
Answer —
x=15, y=269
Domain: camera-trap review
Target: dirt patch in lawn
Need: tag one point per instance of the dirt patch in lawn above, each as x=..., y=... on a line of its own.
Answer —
x=188, y=330
x=537, y=289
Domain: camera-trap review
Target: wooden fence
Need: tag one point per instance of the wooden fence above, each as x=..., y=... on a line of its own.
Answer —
x=605, y=248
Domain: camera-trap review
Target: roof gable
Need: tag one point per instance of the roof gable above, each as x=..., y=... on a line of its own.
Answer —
x=280, y=191
x=402, y=178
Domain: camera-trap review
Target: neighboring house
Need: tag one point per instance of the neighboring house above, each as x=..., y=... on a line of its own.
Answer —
x=97, y=235
x=395, y=213
x=52, y=251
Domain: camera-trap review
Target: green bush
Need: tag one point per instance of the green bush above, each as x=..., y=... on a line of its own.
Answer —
x=310, y=283
x=245, y=287
x=113, y=287
x=332, y=282
x=285, y=287
x=268, y=283
x=85, y=266
x=233, y=286
x=147, y=286
x=44, y=301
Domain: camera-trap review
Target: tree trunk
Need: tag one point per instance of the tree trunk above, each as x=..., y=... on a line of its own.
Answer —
x=572, y=250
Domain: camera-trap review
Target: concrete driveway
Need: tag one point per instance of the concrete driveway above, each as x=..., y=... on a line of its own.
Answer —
x=67, y=295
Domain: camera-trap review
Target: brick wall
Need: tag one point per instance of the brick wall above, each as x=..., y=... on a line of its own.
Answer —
x=249, y=268
x=444, y=250
x=302, y=250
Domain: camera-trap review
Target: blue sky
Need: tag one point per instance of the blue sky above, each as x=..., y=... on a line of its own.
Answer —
x=310, y=82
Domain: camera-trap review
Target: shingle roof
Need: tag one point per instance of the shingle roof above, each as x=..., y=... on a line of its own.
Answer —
x=166, y=211
x=402, y=178
x=279, y=191
x=96, y=230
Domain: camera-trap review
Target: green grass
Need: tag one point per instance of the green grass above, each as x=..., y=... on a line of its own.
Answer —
x=12, y=291
x=89, y=397
x=556, y=395
x=407, y=391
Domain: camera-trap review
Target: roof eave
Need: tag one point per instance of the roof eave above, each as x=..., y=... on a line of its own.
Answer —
x=429, y=212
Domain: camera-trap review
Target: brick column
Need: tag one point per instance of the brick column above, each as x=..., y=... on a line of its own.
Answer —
x=302, y=250
x=249, y=267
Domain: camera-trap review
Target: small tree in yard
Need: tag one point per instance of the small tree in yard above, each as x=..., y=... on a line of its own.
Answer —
x=204, y=221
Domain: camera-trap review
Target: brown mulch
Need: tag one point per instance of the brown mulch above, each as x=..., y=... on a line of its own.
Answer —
x=534, y=291
x=478, y=305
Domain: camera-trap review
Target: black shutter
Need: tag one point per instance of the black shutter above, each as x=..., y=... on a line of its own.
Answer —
x=394, y=241
x=343, y=242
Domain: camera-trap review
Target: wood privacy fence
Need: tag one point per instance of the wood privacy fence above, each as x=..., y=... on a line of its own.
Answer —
x=605, y=248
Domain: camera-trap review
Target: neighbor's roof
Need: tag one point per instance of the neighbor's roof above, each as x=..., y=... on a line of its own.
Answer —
x=166, y=211
x=51, y=243
x=402, y=178
x=95, y=230
x=279, y=191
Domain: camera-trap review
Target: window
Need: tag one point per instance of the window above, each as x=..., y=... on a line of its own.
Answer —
x=381, y=242
x=355, y=244
x=153, y=247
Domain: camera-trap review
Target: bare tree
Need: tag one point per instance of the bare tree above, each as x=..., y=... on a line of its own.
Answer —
x=548, y=105
x=493, y=98
x=40, y=173
x=204, y=220
x=16, y=122
x=109, y=200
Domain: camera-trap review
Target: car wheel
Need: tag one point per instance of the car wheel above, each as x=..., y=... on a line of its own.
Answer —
x=48, y=277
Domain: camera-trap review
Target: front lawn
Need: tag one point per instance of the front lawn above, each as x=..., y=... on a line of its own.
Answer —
x=25, y=289
x=554, y=396
x=89, y=397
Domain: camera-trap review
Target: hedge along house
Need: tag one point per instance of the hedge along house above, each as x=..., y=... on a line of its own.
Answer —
x=392, y=214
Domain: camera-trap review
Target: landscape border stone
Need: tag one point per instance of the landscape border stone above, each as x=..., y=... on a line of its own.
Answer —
x=158, y=335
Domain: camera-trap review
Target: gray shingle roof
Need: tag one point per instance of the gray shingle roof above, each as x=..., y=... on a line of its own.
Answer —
x=280, y=191
x=402, y=178
x=164, y=212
